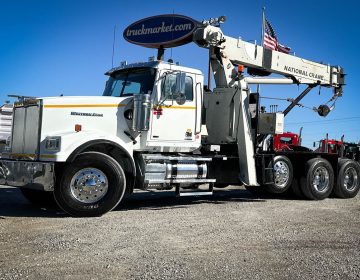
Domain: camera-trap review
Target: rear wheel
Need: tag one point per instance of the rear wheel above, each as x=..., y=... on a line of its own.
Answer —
x=318, y=181
x=283, y=175
x=91, y=185
x=348, y=181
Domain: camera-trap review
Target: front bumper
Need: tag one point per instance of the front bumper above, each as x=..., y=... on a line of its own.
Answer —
x=27, y=174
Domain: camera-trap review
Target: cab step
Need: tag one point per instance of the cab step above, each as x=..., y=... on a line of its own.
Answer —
x=180, y=191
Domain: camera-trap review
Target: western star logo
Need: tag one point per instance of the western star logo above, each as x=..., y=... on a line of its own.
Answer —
x=86, y=114
x=303, y=73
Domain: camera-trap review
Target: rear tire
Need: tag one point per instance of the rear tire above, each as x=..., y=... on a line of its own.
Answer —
x=283, y=175
x=39, y=198
x=90, y=186
x=348, y=179
x=318, y=181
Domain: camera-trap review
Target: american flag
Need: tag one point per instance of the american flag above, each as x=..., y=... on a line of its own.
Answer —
x=271, y=41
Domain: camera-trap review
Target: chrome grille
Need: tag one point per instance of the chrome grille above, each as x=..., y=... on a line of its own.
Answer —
x=26, y=129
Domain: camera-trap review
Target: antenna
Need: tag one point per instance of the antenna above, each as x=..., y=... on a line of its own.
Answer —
x=113, y=50
x=172, y=34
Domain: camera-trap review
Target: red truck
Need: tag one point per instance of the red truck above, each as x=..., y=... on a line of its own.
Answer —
x=286, y=141
x=343, y=149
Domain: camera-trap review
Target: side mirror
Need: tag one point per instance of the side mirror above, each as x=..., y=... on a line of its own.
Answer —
x=180, y=96
x=180, y=99
x=173, y=88
x=314, y=144
x=180, y=83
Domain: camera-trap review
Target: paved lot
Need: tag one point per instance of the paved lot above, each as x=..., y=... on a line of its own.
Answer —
x=232, y=235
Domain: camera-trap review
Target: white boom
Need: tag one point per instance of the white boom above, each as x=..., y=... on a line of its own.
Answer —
x=225, y=51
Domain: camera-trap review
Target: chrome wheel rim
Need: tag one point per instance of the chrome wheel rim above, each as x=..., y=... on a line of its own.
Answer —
x=321, y=179
x=89, y=185
x=350, y=179
x=281, y=172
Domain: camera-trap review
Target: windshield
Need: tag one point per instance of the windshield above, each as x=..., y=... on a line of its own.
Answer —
x=130, y=81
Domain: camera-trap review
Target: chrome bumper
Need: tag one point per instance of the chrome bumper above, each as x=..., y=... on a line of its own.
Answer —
x=27, y=174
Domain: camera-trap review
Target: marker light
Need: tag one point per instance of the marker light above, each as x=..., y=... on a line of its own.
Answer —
x=78, y=127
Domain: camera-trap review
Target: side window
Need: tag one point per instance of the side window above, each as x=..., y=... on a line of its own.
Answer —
x=285, y=140
x=168, y=87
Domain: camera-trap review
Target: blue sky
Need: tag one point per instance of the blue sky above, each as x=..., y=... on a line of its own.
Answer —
x=58, y=47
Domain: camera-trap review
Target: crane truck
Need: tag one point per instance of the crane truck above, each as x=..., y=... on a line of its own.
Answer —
x=157, y=127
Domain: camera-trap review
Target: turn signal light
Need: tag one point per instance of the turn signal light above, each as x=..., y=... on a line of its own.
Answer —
x=241, y=68
x=158, y=112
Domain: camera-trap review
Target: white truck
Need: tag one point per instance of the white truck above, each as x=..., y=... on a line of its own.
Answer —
x=156, y=128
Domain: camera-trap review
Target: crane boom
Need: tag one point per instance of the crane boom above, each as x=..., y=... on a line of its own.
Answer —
x=225, y=50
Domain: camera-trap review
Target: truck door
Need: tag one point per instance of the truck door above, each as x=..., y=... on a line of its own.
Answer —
x=171, y=121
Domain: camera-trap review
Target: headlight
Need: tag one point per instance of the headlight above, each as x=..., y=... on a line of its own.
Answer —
x=53, y=143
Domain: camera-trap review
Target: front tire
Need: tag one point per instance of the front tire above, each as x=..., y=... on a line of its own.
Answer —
x=90, y=186
x=318, y=181
x=348, y=179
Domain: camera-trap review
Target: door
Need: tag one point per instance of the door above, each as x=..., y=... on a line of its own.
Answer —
x=172, y=121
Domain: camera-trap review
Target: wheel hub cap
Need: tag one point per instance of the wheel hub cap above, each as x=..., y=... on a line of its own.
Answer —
x=281, y=173
x=350, y=179
x=321, y=179
x=89, y=185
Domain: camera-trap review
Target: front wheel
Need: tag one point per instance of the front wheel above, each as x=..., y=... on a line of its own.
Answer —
x=91, y=185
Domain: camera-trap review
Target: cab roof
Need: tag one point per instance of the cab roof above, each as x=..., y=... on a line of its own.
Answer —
x=154, y=64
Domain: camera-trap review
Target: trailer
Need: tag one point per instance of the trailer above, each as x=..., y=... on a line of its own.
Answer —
x=158, y=127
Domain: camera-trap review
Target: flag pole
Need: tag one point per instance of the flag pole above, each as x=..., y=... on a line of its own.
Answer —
x=263, y=26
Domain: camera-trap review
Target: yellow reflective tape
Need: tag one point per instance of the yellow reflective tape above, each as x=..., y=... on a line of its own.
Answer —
x=85, y=106
x=111, y=106
x=29, y=155
x=22, y=155
x=178, y=107
x=48, y=156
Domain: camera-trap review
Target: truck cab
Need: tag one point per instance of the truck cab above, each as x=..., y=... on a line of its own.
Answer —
x=331, y=146
x=286, y=141
x=159, y=80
